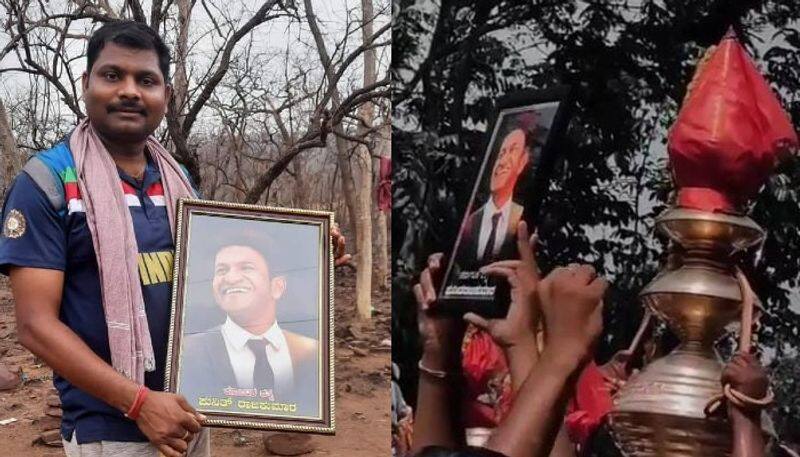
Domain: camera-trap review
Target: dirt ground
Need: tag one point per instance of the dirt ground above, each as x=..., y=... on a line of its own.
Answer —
x=362, y=388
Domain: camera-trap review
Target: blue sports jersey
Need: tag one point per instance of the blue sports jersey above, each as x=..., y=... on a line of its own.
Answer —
x=35, y=235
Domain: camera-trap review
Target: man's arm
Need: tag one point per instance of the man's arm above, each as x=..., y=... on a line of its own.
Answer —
x=436, y=422
x=745, y=374
x=523, y=362
x=164, y=418
x=570, y=300
x=517, y=332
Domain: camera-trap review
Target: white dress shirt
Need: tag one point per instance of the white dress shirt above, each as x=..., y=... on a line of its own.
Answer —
x=243, y=360
x=489, y=210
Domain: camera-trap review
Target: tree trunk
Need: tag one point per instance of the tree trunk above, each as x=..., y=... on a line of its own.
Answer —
x=301, y=184
x=8, y=147
x=363, y=230
x=347, y=181
x=384, y=149
x=363, y=163
x=181, y=86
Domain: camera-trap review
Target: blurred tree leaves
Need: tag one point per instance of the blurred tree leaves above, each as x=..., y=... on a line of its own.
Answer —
x=629, y=63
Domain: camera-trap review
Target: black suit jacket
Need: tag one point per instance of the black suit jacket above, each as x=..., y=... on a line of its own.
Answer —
x=206, y=371
x=468, y=257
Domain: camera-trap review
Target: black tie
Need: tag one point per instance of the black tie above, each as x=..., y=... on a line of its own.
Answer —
x=488, y=251
x=263, y=377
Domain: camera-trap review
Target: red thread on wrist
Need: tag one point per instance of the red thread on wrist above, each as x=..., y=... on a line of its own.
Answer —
x=141, y=394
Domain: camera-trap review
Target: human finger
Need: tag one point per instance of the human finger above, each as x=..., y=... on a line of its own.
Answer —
x=584, y=274
x=728, y=374
x=167, y=451
x=558, y=272
x=478, y=321
x=340, y=245
x=341, y=260
x=420, y=297
x=598, y=286
x=428, y=289
x=190, y=423
x=185, y=404
x=177, y=444
x=498, y=271
x=747, y=358
x=504, y=264
x=523, y=245
x=435, y=260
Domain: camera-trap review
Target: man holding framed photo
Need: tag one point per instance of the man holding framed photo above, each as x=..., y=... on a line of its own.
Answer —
x=88, y=244
x=86, y=213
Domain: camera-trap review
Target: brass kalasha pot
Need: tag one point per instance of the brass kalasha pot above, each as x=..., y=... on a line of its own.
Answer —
x=661, y=411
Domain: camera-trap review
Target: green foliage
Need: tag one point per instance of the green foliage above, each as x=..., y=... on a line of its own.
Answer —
x=629, y=63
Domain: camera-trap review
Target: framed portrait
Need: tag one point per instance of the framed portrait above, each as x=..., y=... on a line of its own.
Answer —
x=513, y=176
x=251, y=334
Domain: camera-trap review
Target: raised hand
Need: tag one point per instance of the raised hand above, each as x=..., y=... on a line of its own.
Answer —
x=519, y=326
x=571, y=303
x=339, y=256
x=441, y=335
x=745, y=374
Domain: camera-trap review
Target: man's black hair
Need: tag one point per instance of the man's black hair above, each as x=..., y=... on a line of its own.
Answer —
x=529, y=123
x=259, y=242
x=128, y=34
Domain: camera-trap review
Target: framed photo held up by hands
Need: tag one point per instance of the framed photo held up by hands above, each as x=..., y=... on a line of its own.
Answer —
x=250, y=341
x=513, y=176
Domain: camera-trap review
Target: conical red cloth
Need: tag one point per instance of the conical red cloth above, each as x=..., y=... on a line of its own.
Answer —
x=723, y=145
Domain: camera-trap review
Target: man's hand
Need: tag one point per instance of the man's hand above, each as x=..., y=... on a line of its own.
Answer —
x=746, y=375
x=519, y=327
x=169, y=422
x=571, y=303
x=615, y=371
x=339, y=256
x=441, y=336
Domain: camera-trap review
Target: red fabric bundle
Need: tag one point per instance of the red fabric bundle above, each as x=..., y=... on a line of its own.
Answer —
x=589, y=407
x=724, y=144
x=487, y=381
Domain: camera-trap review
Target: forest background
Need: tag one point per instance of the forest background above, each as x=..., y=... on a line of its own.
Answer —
x=276, y=102
x=629, y=63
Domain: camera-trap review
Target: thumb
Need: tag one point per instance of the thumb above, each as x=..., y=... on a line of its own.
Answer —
x=478, y=321
x=185, y=404
x=526, y=245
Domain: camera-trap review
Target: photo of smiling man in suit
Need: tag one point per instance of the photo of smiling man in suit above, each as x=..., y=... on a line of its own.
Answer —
x=488, y=233
x=250, y=351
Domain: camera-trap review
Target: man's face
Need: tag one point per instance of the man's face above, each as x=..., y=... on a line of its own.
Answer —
x=511, y=159
x=125, y=94
x=242, y=284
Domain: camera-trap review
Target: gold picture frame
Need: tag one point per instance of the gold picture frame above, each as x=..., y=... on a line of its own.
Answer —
x=219, y=299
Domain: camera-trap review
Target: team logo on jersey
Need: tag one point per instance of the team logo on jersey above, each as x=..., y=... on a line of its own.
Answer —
x=14, y=226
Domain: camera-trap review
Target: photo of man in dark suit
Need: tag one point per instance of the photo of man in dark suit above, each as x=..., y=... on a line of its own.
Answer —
x=250, y=352
x=488, y=234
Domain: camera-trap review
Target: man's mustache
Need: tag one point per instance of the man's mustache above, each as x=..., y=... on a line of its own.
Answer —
x=135, y=107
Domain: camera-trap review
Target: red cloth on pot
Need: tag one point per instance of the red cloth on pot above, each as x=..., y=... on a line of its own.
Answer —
x=724, y=143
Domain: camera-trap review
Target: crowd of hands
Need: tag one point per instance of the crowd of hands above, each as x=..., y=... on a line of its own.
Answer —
x=568, y=305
